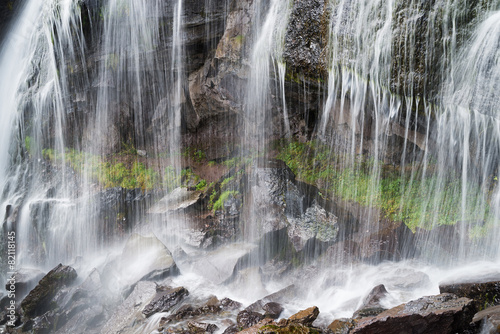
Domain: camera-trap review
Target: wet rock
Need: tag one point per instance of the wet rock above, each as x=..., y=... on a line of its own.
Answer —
x=177, y=200
x=128, y=315
x=489, y=319
x=229, y=304
x=291, y=328
x=25, y=279
x=371, y=304
x=280, y=296
x=341, y=326
x=257, y=327
x=246, y=319
x=315, y=224
x=484, y=294
x=441, y=314
x=38, y=301
x=409, y=279
x=220, y=265
x=142, y=258
x=306, y=37
x=212, y=306
x=201, y=327
x=275, y=269
x=231, y=329
x=270, y=181
x=305, y=317
x=164, y=300
x=273, y=310
x=84, y=307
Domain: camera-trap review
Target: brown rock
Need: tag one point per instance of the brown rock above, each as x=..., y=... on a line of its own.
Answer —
x=484, y=294
x=305, y=317
x=341, y=326
x=441, y=314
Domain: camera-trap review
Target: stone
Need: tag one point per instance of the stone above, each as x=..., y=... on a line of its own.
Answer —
x=279, y=296
x=305, y=317
x=371, y=304
x=201, y=327
x=38, y=301
x=441, y=314
x=143, y=258
x=246, y=319
x=178, y=200
x=164, y=300
x=273, y=310
x=341, y=326
x=484, y=294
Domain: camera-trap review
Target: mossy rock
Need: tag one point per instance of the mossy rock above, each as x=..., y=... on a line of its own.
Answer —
x=40, y=299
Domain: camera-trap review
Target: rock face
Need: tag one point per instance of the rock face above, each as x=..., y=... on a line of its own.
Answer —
x=38, y=300
x=441, y=314
x=307, y=37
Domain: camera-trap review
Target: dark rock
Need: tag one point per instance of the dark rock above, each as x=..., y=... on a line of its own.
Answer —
x=246, y=319
x=341, y=326
x=305, y=317
x=483, y=294
x=371, y=304
x=273, y=310
x=306, y=37
x=25, y=279
x=441, y=314
x=201, y=327
x=231, y=329
x=165, y=299
x=280, y=296
x=39, y=299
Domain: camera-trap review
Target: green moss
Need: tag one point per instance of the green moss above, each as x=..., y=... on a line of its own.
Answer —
x=417, y=201
x=223, y=198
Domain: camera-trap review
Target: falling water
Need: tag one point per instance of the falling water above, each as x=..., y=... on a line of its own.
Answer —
x=409, y=133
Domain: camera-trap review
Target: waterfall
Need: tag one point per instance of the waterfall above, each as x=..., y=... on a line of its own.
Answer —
x=261, y=147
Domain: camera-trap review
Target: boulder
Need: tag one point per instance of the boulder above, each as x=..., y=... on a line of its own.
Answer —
x=305, y=317
x=38, y=301
x=165, y=299
x=280, y=296
x=371, y=304
x=273, y=310
x=246, y=319
x=484, y=294
x=201, y=327
x=142, y=258
x=441, y=314
x=341, y=326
